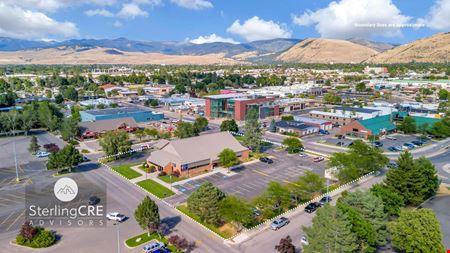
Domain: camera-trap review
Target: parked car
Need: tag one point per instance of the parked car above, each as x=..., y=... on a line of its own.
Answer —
x=318, y=159
x=278, y=223
x=378, y=144
x=301, y=154
x=266, y=160
x=311, y=207
x=392, y=138
x=145, y=146
x=392, y=165
x=321, y=131
x=86, y=159
x=153, y=247
x=41, y=154
x=115, y=216
x=341, y=137
x=418, y=143
x=325, y=200
x=304, y=241
x=93, y=200
x=408, y=146
x=393, y=149
x=256, y=212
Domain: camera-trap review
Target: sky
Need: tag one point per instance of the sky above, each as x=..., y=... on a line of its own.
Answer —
x=234, y=21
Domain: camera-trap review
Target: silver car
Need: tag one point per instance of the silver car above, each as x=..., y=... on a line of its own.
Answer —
x=278, y=223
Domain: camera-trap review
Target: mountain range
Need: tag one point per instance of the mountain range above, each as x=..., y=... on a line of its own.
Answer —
x=310, y=50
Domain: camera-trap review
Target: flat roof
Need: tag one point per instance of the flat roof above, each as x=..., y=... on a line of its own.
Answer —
x=119, y=110
x=311, y=120
x=293, y=124
x=222, y=96
x=356, y=109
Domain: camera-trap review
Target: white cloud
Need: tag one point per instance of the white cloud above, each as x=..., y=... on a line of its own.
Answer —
x=193, y=4
x=355, y=18
x=117, y=24
x=19, y=23
x=439, y=16
x=259, y=29
x=131, y=10
x=53, y=5
x=212, y=38
x=149, y=2
x=99, y=12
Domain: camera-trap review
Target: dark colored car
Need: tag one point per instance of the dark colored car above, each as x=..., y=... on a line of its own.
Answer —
x=392, y=165
x=325, y=200
x=394, y=149
x=93, y=200
x=417, y=143
x=378, y=144
x=266, y=160
x=312, y=207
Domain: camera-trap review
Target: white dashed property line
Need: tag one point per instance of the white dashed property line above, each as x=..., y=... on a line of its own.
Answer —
x=162, y=200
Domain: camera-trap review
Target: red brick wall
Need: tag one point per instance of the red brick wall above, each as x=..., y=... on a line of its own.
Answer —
x=208, y=108
x=355, y=125
x=239, y=109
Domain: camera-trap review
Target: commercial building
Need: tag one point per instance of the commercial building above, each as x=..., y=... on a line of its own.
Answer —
x=138, y=114
x=367, y=127
x=159, y=90
x=194, y=155
x=297, y=127
x=93, y=129
x=337, y=119
x=236, y=106
x=322, y=124
x=95, y=102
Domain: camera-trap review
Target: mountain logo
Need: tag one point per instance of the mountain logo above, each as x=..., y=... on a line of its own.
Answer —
x=65, y=189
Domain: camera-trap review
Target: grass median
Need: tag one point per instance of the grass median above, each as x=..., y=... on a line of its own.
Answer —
x=144, y=238
x=168, y=179
x=127, y=171
x=156, y=189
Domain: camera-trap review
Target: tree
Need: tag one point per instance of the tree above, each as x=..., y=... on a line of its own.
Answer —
x=114, y=142
x=414, y=180
x=204, y=202
x=147, y=214
x=274, y=200
x=285, y=245
x=408, y=125
x=293, y=145
x=70, y=129
x=236, y=210
x=34, y=145
x=59, y=99
x=441, y=128
x=152, y=102
x=392, y=201
x=66, y=158
x=308, y=185
x=200, y=123
x=227, y=158
x=70, y=93
x=417, y=231
x=329, y=98
x=27, y=231
x=287, y=117
x=330, y=232
x=229, y=125
x=185, y=130
x=360, y=87
x=151, y=132
x=141, y=91
x=252, y=128
x=370, y=226
x=359, y=160
x=139, y=134
x=443, y=94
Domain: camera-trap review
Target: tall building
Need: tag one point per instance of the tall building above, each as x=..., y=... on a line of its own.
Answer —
x=236, y=106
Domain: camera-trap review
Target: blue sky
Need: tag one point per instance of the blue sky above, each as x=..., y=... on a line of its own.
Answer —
x=237, y=21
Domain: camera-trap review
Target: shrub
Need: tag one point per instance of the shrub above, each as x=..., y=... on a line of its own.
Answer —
x=38, y=237
x=85, y=151
x=73, y=142
x=152, y=169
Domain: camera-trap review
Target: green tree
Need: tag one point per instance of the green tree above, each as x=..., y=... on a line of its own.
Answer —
x=308, y=185
x=329, y=98
x=59, y=99
x=392, y=201
x=69, y=129
x=204, y=202
x=252, y=128
x=417, y=231
x=443, y=94
x=139, y=134
x=34, y=145
x=330, y=232
x=359, y=160
x=236, y=210
x=64, y=159
x=414, y=180
x=408, y=125
x=185, y=130
x=151, y=132
x=293, y=145
x=200, y=123
x=147, y=214
x=371, y=209
x=114, y=142
x=229, y=125
x=152, y=102
x=441, y=128
x=287, y=117
x=274, y=200
x=140, y=91
x=227, y=158
x=360, y=87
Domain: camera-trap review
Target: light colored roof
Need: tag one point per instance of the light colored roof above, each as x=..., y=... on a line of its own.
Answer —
x=194, y=149
x=106, y=125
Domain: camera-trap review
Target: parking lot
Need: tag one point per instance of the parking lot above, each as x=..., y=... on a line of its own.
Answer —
x=400, y=140
x=251, y=180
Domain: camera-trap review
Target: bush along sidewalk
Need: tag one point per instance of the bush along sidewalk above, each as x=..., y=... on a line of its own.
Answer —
x=35, y=237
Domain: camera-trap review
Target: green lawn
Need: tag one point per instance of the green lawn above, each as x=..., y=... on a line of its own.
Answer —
x=155, y=188
x=263, y=143
x=184, y=209
x=127, y=171
x=173, y=180
x=131, y=242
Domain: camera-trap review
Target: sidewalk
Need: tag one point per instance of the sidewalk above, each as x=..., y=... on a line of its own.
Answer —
x=153, y=176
